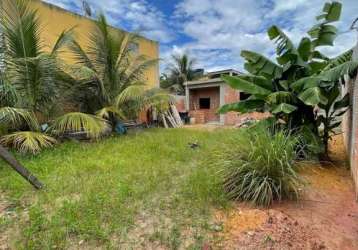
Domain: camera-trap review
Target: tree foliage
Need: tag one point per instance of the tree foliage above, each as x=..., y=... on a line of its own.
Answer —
x=110, y=64
x=302, y=79
x=32, y=71
x=107, y=81
x=28, y=141
x=180, y=70
x=93, y=125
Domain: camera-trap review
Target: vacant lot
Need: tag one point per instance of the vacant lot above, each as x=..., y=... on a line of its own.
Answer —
x=151, y=190
x=145, y=188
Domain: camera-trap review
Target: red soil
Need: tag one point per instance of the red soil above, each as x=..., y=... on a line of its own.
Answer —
x=326, y=216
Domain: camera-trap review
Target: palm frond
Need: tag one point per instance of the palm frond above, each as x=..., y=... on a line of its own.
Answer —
x=159, y=99
x=131, y=93
x=8, y=92
x=18, y=117
x=33, y=72
x=22, y=29
x=125, y=41
x=80, y=56
x=36, y=80
x=65, y=38
x=105, y=113
x=94, y=126
x=142, y=98
x=28, y=141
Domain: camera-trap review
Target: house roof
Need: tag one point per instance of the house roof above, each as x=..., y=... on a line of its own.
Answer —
x=208, y=77
x=225, y=71
x=204, y=81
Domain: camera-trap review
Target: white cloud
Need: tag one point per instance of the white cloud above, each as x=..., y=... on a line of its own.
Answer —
x=138, y=15
x=215, y=31
x=221, y=29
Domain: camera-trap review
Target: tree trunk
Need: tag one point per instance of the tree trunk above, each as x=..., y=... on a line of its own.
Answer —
x=14, y=164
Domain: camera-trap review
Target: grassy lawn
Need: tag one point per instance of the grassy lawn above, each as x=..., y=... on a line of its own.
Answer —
x=142, y=190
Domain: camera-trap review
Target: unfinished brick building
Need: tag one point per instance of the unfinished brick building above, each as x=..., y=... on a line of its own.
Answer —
x=203, y=98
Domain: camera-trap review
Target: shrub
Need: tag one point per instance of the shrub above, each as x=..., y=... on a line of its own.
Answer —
x=259, y=166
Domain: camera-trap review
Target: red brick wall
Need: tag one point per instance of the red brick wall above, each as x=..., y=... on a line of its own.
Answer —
x=204, y=115
x=231, y=96
x=198, y=115
x=207, y=115
x=232, y=118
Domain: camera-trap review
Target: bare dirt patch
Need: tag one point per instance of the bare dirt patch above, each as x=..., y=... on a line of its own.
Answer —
x=326, y=217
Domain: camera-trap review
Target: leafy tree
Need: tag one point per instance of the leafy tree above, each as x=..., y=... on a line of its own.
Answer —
x=301, y=80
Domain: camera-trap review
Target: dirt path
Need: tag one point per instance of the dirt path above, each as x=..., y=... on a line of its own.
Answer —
x=325, y=218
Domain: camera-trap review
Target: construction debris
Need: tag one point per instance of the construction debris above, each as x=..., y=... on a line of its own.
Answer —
x=171, y=118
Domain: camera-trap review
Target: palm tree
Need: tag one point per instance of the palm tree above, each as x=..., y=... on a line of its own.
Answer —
x=34, y=72
x=33, y=78
x=108, y=67
x=180, y=71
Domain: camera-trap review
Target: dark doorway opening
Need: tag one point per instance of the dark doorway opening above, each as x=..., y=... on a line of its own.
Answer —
x=204, y=103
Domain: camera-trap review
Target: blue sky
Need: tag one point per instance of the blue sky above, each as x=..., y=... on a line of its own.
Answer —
x=215, y=31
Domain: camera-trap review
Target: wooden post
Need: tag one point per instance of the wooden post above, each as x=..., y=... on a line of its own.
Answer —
x=164, y=121
x=176, y=115
x=170, y=119
x=14, y=164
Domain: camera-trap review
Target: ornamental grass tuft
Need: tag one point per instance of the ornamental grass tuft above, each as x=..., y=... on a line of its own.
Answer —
x=259, y=167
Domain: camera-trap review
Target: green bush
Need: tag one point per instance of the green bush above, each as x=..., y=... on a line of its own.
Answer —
x=259, y=166
x=309, y=145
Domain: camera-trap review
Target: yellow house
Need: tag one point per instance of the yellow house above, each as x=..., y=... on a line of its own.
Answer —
x=54, y=20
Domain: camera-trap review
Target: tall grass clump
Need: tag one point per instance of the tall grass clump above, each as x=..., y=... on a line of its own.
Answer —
x=259, y=167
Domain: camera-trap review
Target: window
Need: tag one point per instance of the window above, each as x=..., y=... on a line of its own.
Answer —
x=204, y=103
x=244, y=96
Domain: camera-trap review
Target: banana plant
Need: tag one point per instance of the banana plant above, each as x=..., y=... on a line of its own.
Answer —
x=301, y=79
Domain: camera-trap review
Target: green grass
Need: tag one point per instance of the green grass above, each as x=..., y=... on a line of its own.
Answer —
x=122, y=192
